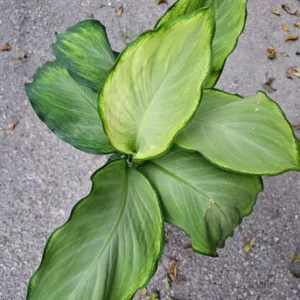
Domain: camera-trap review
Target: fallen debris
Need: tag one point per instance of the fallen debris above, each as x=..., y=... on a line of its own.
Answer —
x=143, y=292
x=296, y=126
x=271, y=52
x=293, y=72
x=5, y=47
x=249, y=245
x=90, y=15
x=289, y=74
x=294, y=267
x=168, y=282
x=284, y=54
x=154, y=296
x=20, y=53
x=285, y=27
x=267, y=86
x=275, y=11
x=120, y=11
x=188, y=248
x=161, y=1
x=173, y=268
x=286, y=8
x=11, y=127
x=296, y=13
x=291, y=37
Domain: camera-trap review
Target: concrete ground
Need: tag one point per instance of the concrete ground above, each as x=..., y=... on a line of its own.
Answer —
x=42, y=177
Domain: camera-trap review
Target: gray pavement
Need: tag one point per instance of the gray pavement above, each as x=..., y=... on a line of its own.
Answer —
x=42, y=178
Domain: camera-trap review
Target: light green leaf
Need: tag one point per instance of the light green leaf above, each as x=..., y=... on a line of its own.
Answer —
x=230, y=22
x=84, y=50
x=111, y=244
x=146, y=99
x=68, y=109
x=208, y=203
x=249, y=135
x=182, y=8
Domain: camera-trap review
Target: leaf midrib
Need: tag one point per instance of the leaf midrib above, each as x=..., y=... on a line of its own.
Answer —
x=110, y=235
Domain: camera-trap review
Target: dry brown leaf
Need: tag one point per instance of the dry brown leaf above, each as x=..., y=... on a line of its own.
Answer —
x=5, y=47
x=161, y=1
x=275, y=11
x=188, y=248
x=293, y=71
x=286, y=8
x=297, y=24
x=296, y=13
x=173, y=268
x=271, y=52
x=284, y=54
x=168, y=283
x=249, y=245
x=296, y=126
x=11, y=127
x=296, y=71
x=285, y=28
x=268, y=84
x=289, y=74
x=269, y=80
x=291, y=37
x=120, y=11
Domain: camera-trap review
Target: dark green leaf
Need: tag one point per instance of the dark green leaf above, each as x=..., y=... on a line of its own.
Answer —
x=68, y=109
x=84, y=50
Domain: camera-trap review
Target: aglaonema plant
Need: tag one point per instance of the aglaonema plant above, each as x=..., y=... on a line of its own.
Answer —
x=183, y=151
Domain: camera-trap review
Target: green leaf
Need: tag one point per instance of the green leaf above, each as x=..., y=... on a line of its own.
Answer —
x=84, y=50
x=230, y=22
x=208, y=203
x=182, y=8
x=68, y=109
x=111, y=244
x=146, y=99
x=249, y=135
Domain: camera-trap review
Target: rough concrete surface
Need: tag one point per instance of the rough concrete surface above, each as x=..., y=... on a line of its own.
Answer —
x=42, y=177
